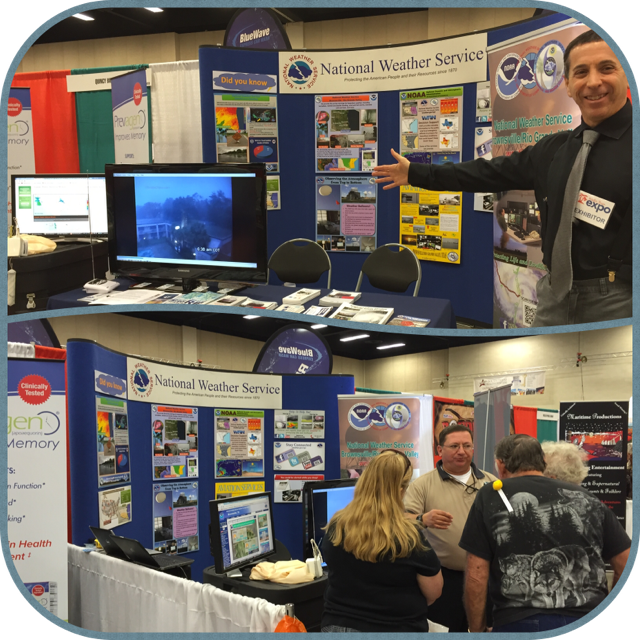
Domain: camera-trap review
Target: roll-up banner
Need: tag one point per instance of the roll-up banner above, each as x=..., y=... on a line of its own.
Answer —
x=600, y=429
x=37, y=480
x=130, y=117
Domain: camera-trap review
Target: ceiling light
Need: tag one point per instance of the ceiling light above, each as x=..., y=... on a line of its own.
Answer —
x=391, y=346
x=250, y=317
x=318, y=326
x=357, y=337
x=154, y=9
x=82, y=16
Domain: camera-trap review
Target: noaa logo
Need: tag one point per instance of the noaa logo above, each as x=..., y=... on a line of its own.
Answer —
x=320, y=180
x=374, y=97
x=549, y=66
x=507, y=78
x=359, y=417
x=318, y=99
x=403, y=96
x=300, y=72
x=452, y=256
x=479, y=132
x=277, y=445
x=140, y=380
x=434, y=102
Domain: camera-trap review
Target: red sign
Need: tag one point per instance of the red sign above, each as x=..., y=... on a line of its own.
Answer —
x=34, y=389
x=137, y=93
x=15, y=107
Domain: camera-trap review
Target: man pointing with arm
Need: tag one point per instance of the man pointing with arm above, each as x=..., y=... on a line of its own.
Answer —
x=582, y=181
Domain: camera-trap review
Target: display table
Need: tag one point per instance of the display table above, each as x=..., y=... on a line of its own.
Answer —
x=438, y=310
x=108, y=594
x=307, y=598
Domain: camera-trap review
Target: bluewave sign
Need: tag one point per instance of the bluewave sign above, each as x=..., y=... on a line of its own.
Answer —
x=165, y=384
x=429, y=64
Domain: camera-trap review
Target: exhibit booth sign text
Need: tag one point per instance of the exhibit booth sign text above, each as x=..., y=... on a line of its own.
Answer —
x=446, y=62
x=160, y=383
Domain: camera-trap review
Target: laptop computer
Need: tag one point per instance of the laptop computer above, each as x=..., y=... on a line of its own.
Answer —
x=105, y=538
x=135, y=552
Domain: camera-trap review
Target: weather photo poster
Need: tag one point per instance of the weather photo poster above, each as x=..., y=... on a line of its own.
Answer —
x=239, y=443
x=247, y=129
x=346, y=213
x=175, y=442
x=113, y=441
x=175, y=517
x=298, y=424
x=346, y=132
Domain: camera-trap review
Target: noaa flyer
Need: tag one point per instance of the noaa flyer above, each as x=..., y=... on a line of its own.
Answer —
x=239, y=438
x=298, y=424
x=175, y=442
x=346, y=132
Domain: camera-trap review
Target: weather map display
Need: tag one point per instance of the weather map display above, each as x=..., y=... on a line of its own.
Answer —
x=346, y=132
x=114, y=507
x=247, y=129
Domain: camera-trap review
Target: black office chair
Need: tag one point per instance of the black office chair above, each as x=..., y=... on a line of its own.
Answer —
x=300, y=263
x=392, y=270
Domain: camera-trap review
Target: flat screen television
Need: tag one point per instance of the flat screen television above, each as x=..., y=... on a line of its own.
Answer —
x=188, y=221
x=241, y=533
x=60, y=205
x=320, y=501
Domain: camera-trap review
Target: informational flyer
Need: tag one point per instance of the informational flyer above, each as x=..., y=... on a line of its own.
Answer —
x=113, y=441
x=482, y=149
x=175, y=442
x=431, y=121
x=431, y=223
x=247, y=128
x=233, y=489
x=114, y=507
x=346, y=213
x=239, y=441
x=287, y=489
x=298, y=424
x=273, y=193
x=175, y=517
x=346, y=132
x=298, y=456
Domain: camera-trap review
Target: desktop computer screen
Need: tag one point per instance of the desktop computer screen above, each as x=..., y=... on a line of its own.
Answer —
x=60, y=205
x=241, y=531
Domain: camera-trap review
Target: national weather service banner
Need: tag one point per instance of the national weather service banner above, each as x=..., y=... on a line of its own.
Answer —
x=37, y=480
x=369, y=425
x=165, y=384
x=130, y=117
x=428, y=64
x=529, y=102
x=20, y=159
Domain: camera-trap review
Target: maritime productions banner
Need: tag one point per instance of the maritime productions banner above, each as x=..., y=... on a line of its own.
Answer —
x=529, y=102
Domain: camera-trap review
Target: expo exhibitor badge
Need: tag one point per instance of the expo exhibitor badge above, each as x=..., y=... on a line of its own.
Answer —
x=594, y=210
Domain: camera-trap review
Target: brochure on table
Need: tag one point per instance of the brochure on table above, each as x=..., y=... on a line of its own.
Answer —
x=175, y=442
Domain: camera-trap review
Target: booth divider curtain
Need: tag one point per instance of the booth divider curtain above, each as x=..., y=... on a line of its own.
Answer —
x=53, y=110
x=491, y=418
x=95, y=122
x=176, y=118
x=525, y=420
x=548, y=429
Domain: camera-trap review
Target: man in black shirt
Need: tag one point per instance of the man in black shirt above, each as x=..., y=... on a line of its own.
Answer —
x=600, y=257
x=539, y=545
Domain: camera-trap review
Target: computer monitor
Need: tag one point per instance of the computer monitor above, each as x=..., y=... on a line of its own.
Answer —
x=188, y=221
x=60, y=205
x=241, y=532
x=320, y=501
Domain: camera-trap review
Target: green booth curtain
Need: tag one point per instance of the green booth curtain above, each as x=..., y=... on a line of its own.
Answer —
x=94, y=114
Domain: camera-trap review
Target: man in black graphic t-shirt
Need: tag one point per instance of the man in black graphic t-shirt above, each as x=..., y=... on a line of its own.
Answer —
x=540, y=547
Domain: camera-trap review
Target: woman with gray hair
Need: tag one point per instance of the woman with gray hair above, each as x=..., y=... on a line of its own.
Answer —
x=565, y=462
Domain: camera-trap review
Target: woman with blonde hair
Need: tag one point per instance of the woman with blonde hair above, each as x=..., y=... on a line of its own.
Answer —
x=382, y=574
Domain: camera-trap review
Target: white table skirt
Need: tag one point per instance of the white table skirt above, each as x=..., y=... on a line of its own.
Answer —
x=108, y=594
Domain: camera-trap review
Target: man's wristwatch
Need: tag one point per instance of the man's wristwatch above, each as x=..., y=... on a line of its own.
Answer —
x=419, y=519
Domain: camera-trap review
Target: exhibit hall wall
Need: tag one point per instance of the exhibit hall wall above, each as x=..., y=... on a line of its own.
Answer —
x=325, y=34
x=606, y=375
